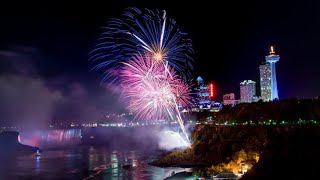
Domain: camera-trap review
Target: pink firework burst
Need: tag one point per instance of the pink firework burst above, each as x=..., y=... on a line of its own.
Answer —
x=152, y=89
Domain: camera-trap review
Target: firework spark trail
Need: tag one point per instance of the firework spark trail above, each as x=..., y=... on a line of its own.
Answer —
x=181, y=123
x=186, y=143
x=141, y=31
x=153, y=93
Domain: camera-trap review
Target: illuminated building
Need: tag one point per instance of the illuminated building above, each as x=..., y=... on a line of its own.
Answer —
x=265, y=81
x=203, y=95
x=247, y=91
x=272, y=58
x=215, y=106
x=268, y=78
x=229, y=99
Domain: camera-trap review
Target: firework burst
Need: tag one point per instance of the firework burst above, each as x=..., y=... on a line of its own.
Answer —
x=146, y=32
x=151, y=91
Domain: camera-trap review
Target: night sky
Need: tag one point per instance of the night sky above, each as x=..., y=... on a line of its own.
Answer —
x=51, y=42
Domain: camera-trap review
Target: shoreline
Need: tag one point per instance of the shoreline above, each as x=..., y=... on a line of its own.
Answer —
x=193, y=165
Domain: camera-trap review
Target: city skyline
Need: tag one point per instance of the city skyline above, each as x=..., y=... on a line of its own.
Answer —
x=242, y=49
x=49, y=47
x=159, y=89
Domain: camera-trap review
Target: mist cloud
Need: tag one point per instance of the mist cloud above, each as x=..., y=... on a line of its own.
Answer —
x=26, y=101
x=31, y=98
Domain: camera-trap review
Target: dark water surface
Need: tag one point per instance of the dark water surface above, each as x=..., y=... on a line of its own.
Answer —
x=87, y=162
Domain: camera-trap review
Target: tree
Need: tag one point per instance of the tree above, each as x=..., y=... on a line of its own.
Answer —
x=239, y=156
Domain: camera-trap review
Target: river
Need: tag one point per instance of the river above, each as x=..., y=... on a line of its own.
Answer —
x=88, y=162
x=111, y=154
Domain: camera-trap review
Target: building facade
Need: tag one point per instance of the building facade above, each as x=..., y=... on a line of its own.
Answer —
x=247, y=91
x=229, y=99
x=268, y=77
x=202, y=95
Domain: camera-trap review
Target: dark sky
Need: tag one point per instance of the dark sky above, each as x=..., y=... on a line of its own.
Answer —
x=230, y=40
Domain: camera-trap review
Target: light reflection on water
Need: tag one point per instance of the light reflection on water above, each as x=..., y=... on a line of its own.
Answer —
x=88, y=162
x=37, y=169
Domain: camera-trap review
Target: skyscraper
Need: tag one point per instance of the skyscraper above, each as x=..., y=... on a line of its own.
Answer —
x=247, y=91
x=268, y=78
x=265, y=81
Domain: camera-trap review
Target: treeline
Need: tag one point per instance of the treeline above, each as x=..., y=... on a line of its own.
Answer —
x=263, y=151
x=287, y=110
x=212, y=145
x=292, y=154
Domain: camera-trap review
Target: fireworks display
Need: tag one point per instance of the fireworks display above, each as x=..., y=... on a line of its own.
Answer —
x=152, y=61
x=152, y=92
x=145, y=32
